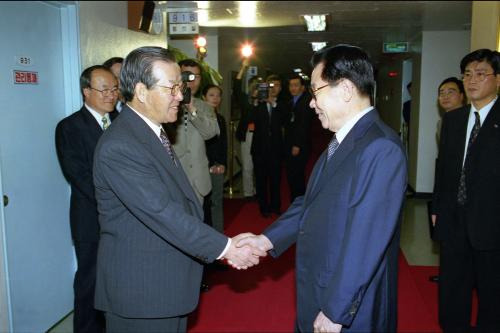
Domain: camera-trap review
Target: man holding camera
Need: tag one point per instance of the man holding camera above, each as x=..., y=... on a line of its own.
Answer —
x=267, y=145
x=197, y=123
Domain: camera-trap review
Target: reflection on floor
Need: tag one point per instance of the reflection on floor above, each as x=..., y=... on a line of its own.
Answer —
x=416, y=245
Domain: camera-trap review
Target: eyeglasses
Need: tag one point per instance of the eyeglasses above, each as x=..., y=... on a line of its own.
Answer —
x=314, y=91
x=175, y=89
x=450, y=92
x=107, y=92
x=480, y=76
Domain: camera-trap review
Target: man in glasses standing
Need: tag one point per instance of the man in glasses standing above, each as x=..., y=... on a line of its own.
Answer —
x=153, y=240
x=347, y=224
x=467, y=200
x=76, y=139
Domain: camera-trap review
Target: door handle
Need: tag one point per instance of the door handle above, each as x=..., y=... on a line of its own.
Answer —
x=5, y=200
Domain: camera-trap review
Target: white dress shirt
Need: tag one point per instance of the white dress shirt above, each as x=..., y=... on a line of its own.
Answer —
x=98, y=116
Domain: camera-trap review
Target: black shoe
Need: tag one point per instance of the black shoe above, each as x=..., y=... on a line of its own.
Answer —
x=204, y=287
x=251, y=198
x=265, y=213
x=434, y=278
x=276, y=211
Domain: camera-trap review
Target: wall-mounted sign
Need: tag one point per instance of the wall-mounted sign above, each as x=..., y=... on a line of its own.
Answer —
x=183, y=23
x=395, y=47
x=25, y=77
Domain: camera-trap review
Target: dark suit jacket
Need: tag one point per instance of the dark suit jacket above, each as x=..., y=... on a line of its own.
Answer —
x=245, y=110
x=298, y=124
x=217, y=146
x=268, y=135
x=482, y=178
x=153, y=239
x=76, y=139
x=347, y=231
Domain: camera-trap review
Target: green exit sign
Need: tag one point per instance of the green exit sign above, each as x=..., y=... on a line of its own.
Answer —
x=396, y=47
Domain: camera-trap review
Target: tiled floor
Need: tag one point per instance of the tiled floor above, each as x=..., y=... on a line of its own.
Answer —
x=416, y=244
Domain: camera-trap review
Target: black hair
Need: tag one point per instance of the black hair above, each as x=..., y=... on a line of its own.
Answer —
x=491, y=57
x=190, y=63
x=458, y=82
x=138, y=67
x=111, y=61
x=297, y=77
x=86, y=77
x=273, y=77
x=208, y=87
x=346, y=62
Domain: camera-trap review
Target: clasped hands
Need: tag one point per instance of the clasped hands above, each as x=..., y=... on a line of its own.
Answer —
x=246, y=249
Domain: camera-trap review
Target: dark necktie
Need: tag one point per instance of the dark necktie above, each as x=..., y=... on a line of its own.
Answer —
x=462, y=192
x=166, y=143
x=332, y=147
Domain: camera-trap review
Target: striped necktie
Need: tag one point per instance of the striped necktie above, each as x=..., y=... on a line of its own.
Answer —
x=332, y=147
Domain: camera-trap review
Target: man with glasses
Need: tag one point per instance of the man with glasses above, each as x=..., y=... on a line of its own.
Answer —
x=346, y=226
x=76, y=139
x=467, y=200
x=153, y=240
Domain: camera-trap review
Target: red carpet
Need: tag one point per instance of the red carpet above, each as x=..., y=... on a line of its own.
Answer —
x=262, y=299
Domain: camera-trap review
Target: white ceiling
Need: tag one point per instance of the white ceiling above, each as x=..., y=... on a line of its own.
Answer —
x=279, y=33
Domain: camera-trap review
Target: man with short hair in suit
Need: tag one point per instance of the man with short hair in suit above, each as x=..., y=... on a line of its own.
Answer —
x=76, y=139
x=267, y=148
x=345, y=227
x=297, y=136
x=153, y=240
x=114, y=64
x=467, y=200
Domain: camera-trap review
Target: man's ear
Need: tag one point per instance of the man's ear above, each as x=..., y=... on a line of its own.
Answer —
x=86, y=92
x=141, y=92
x=348, y=90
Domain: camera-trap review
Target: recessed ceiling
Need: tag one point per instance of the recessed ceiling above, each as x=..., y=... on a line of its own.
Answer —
x=279, y=32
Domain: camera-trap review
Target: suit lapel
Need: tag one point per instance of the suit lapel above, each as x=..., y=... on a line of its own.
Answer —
x=344, y=150
x=94, y=128
x=152, y=143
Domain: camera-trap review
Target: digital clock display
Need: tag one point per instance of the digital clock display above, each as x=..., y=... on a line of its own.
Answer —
x=182, y=17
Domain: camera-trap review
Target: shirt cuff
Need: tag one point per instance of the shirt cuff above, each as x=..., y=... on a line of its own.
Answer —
x=225, y=249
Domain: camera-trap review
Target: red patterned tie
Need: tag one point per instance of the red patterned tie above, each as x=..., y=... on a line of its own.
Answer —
x=166, y=143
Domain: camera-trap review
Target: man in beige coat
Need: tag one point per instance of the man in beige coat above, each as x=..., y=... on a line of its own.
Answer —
x=197, y=124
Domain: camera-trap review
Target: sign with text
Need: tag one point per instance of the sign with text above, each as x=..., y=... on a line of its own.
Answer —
x=25, y=77
x=396, y=47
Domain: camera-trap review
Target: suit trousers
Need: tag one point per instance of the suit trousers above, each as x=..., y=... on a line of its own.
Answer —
x=247, y=166
x=118, y=324
x=86, y=318
x=268, y=181
x=296, y=173
x=462, y=269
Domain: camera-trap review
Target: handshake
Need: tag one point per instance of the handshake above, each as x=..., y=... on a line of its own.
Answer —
x=246, y=249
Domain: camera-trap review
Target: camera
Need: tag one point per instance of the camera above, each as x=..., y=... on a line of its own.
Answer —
x=263, y=90
x=187, y=76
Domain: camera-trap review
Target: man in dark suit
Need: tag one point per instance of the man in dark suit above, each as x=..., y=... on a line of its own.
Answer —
x=297, y=136
x=467, y=200
x=76, y=139
x=345, y=227
x=267, y=148
x=153, y=241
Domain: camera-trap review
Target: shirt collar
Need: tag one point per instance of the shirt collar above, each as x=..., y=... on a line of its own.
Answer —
x=98, y=116
x=483, y=112
x=342, y=133
x=153, y=126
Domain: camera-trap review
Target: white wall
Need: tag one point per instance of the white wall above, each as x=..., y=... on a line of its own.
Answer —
x=440, y=58
x=104, y=32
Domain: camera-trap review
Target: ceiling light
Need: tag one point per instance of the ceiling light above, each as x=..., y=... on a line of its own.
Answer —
x=248, y=12
x=297, y=70
x=316, y=46
x=203, y=4
x=315, y=22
